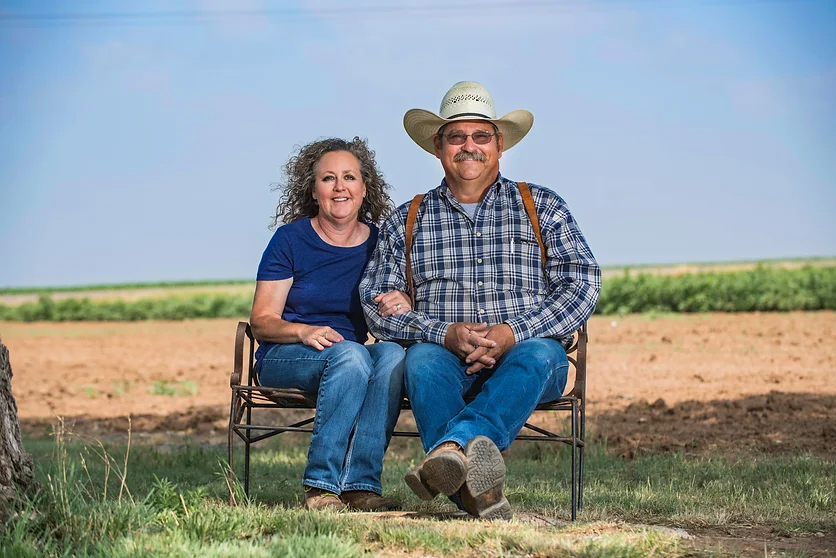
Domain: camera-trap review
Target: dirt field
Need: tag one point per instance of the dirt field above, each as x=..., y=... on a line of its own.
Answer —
x=703, y=384
x=716, y=383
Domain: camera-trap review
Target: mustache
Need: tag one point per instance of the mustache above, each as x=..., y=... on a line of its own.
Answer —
x=469, y=156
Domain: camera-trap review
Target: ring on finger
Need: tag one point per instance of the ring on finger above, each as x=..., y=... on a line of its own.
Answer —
x=398, y=306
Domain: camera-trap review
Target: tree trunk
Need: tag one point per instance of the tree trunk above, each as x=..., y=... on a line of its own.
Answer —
x=16, y=473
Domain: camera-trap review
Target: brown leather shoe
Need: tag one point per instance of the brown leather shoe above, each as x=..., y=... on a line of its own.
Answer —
x=481, y=494
x=365, y=500
x=319, y=499
x=443, y=471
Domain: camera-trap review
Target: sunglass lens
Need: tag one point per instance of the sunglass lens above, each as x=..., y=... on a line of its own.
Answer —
x=458, y=138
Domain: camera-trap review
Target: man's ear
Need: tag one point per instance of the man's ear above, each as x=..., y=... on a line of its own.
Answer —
x=500, y=143
x=437, y=145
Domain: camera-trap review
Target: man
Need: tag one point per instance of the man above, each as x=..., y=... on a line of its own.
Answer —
x=489, y=317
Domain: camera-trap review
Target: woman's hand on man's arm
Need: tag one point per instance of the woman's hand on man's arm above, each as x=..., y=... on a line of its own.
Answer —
x=392, y=303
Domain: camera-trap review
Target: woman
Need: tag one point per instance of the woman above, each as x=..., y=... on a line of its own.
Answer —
x=309, y=323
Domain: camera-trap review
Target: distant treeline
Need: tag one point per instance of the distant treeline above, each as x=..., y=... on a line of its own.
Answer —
x=764, y=289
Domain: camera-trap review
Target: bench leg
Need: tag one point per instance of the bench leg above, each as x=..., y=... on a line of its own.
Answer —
x=582, y=449
x=247, y=453
x=231, y=472
x=574, y=496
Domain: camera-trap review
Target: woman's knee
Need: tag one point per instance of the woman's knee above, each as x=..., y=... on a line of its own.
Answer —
x=351, y=359
x=386, y=354
x=387, y=359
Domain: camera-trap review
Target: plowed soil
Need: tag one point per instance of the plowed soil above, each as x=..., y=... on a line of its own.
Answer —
x=702, y=384
x=710, y=383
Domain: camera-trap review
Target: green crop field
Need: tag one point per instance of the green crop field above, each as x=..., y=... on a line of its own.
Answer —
x=131, y=291
x=764, y=288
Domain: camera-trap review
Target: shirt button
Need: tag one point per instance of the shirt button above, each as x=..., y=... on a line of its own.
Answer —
x=481, y=310
x=479, y=260
x=478, y=234
x=479, y=283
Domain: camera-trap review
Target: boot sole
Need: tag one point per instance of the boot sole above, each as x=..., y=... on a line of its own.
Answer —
x=482, y=491
x=445, y=473
x=501, y=510
x=421, y=489
x=378, y=505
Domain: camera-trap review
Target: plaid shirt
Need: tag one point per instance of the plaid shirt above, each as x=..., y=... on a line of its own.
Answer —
x=484, y=269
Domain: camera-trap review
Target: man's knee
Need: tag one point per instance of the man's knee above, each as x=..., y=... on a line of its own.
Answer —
x=540, y=352
x=426, y=365
x=543, y=361
x=422, y=356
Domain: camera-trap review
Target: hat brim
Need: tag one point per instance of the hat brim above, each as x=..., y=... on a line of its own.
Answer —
x=422, y=125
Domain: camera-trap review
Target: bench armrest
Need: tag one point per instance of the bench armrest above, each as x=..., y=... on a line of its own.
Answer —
x=241, y=333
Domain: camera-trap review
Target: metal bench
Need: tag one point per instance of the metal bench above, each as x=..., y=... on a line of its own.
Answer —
x=249, y=396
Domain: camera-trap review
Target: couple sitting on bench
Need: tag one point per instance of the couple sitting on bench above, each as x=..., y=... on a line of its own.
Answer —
x=482, y=279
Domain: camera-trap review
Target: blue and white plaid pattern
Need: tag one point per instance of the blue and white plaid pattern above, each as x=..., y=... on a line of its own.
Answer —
x=486, y=269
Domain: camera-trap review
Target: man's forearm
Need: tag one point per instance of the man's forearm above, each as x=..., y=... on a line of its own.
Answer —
x=561, y=314
x=411, y=326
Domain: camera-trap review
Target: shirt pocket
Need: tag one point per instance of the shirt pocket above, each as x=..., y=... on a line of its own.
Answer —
x=521, y=266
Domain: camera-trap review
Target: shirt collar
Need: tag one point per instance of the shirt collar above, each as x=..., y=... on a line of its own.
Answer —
x=444, y=189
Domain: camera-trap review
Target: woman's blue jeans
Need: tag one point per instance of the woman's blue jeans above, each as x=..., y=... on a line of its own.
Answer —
x=359, y=390
x=531, y=372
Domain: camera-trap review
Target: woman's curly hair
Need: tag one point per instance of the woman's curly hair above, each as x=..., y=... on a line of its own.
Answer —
x=296, y=201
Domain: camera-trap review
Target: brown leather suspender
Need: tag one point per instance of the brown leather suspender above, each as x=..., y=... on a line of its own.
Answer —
x=528, y=202
x=412, y=214
x=410, y=233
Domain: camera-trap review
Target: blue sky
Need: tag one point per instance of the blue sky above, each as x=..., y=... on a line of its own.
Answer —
x=137, y=144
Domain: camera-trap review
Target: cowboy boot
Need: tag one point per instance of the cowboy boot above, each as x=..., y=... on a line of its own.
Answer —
x=443, y=471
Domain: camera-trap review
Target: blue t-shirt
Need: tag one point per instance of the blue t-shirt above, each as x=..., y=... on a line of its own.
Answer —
x=325, y=279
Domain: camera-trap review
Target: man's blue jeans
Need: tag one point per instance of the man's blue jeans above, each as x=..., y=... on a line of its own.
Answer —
x=359, y=390
x=531, y=372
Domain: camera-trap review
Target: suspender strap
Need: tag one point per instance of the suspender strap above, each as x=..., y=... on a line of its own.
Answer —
x=410, y=233
x=528, y=202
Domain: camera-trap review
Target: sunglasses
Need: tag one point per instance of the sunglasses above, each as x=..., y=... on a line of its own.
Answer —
x=459, y=138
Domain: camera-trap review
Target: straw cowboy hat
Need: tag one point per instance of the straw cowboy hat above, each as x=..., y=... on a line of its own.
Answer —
x=467, y=100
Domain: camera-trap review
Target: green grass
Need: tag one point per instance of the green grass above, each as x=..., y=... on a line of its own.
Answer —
x=90, y=392
x=118, y=500
x=120, y=388
x=169, y=308
x=166, y=387
x=124, y=286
